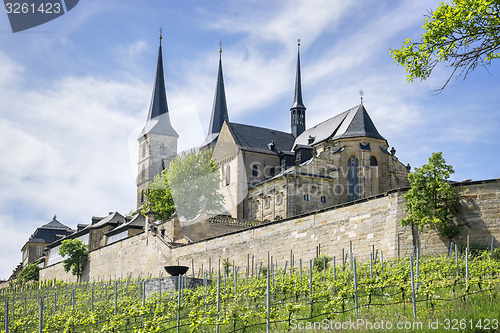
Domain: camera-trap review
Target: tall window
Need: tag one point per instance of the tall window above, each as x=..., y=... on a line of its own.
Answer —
x=143, y=173
x=39, y=250
x=228, y=175
x=272, y=172
x=352, y=179
x=373, y=161
x=255, y=170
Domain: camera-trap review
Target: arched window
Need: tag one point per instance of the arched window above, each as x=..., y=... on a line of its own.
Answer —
x=352, y=179
x=162, y=165
x=255, y=170
x=142, y=196
x=268, y=202
x=228, y=175
x=279, y=199
x=373, y=161
x=306, y=197
x=256, y=206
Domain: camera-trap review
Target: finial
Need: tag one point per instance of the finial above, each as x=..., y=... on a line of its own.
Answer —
x=161, y=34
x=361, y=93
x=220, y=46
x=298, y=43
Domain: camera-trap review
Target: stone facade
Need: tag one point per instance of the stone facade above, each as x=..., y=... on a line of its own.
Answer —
x=328, y=179
x=156, y=151
x=366, y=224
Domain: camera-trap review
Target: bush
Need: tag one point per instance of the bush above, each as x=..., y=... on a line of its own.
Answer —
x=29, y=273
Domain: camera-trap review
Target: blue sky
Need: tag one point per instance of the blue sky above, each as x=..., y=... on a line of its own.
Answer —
x=75, y=92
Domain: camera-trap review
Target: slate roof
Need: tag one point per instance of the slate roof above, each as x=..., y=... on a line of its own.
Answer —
x=50, y=232
x=137, y=221
x=297, y=101
x=112, y=218
x=219, y=109
x=158, y=120
x=352, y=123
x=256, y=139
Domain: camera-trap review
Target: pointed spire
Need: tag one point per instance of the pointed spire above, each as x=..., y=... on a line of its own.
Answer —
x=298, y=110
x=158, y=120
x=297, y=103
x=219, y=108
x=158, y=104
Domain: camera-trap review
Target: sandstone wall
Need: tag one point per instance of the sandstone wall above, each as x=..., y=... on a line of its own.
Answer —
x=370, y=223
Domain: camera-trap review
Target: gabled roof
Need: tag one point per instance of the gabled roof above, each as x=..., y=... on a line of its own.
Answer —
x=352, y=123
x=219, y=109
x=137, y=221
x=158, y=120
x=112, y=218
x=256, y=139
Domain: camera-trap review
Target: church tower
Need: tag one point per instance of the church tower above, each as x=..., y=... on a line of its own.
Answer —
x=158, y=139
x=219, y=109
x=298, y=110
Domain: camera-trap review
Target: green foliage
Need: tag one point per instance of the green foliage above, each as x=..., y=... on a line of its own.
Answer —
x=77, y=253
x=320, y=260
x=226, y=266
x=29, y=273
x=387, y=295
x=463, y=34
x=160, y=197
x=431, y=201
x=194, y=182
x=191, y=183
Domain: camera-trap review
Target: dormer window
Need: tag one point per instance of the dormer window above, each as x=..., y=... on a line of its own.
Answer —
x=311, y=139
x=271, y=145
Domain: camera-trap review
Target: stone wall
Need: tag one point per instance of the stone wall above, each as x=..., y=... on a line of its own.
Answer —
x=368, y=223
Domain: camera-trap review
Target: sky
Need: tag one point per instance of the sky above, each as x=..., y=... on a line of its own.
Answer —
x=75, y=92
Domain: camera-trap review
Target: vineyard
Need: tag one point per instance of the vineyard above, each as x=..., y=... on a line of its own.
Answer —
x=319, y=294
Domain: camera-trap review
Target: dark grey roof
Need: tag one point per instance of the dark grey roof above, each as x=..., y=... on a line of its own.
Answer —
x=158, y=120
x=256, y=139
x=55, y=224
x=137, y=221
x=50, y=232
x=112, y=218
x=219, y=109
x=352, y=123
x=297, y=101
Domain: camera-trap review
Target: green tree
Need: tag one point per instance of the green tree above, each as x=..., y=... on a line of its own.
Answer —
x=463, y=34
x=191, y=183
x=29, y=273
x=160, y=197
x=432, y=201
x=77, y=255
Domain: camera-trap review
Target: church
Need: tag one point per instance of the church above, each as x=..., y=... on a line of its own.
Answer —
x=268, y=175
